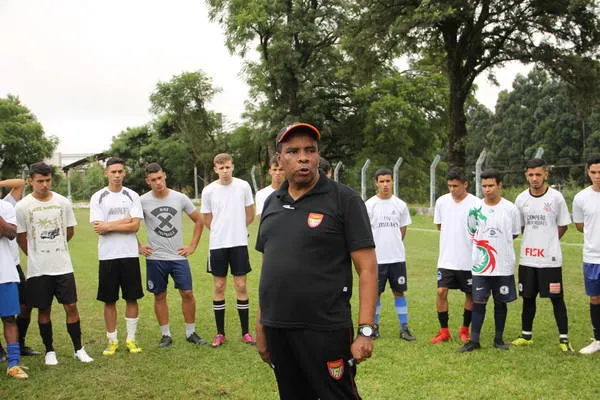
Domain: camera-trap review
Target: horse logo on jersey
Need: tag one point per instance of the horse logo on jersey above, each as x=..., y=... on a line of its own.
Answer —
x=315, y=219
x=336, y=369
x=488, y=257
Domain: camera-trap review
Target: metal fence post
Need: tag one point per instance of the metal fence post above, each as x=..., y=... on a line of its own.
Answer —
x=253, y=174
x=336, y=171
x=478, y=169
x=539, y=152
x=363, y=179
x=432, y=168
x=195, y=183
x=396, y=168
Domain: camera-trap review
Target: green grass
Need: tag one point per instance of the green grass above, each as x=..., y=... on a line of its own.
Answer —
x=398, y=369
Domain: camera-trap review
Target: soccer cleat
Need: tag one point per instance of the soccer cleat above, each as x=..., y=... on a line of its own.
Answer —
x=132, y=346
x=165, y=341
x=195, y=339
x=218, y=340
x=248, y=339
x=442, y=336
x=463, y=334
x=17, y=372
x=469, y=346
x=405, y=334
x=50, y=358
x=82, y=355
x=591, y=348
x=111, y=349
x=3, y=356
x=565, y=347
x=28, y=351
x=500, y=345
x=521, y=341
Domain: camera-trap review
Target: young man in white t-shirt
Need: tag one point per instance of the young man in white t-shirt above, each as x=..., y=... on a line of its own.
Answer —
x=544, y=220
x=586, y=215
x=45, y=224
x=454, y=261
x=493, y=223
x=389, y=219
x=277, y=177
x=227, y=209
x=116, y=212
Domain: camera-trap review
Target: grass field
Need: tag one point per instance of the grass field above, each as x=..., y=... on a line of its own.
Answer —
x=398, y=369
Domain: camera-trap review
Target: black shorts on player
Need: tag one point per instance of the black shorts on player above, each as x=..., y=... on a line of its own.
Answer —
x=395, y=273
x=42, y=289
x=454, y=279
x=545, y=281
x=502, y=288
x=123, y=273
x=219, y=261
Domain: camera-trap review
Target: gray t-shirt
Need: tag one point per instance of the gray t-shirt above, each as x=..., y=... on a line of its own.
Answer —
x=163, y=223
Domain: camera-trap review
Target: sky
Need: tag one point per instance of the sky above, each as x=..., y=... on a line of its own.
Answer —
x=86, y=68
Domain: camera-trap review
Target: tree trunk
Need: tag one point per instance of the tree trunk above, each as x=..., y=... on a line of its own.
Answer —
x=457, y=127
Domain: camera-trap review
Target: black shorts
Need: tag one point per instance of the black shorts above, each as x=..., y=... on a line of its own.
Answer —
x=22, y=285
x=42, y=289
x=454, y=279
x=311, y=364
x=502, y=288
x=118, y=273
x=395, y=273
x=235, y=257
x=545, y=281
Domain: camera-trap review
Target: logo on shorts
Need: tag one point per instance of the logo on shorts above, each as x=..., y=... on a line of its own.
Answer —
x=164, y=215
x=401, y=280
x=150, y=285
x=520, y=287
x=336, y=369
x=469, y=282
x=554, y=287
x=439, y=276
x=504, y=289
x=315, y=219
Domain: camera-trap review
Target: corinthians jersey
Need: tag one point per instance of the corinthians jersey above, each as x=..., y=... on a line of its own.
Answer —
x=491, y=229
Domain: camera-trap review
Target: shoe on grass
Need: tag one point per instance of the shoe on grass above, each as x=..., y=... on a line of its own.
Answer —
x=111, y=349
x=248, y=339
x=50, y=358
x=463, y=334
x=565, y=347
x=591, y=348
x=17, y=372
x=195, y=339
x=521, y=341
x=132, y=346
x=442, y=336
x=165, y=341
x=405, y=334
x=218, y=340
x=469, y=346
x=28, y=351
x=500, y=345
x=83, y=356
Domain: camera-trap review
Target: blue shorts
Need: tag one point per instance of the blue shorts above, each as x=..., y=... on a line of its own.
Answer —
x=395, y=273
x=502, y=288
x=591, y=278
x=9, y=299
x=158, y=271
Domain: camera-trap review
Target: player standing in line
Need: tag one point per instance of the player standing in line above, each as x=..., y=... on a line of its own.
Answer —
x=325, y=167
x=544, y=220
x=227, y=209
x=493, y=223
x=116, y=212
x=455, y=259
x=389, y=218
x=45, y=224
x=165, y=252
x=277, y=177
x=586, y=215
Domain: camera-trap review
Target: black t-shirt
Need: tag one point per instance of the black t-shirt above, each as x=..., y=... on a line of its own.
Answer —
x=306, y=277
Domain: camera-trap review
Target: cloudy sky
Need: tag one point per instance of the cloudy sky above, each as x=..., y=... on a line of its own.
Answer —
x=86, y=68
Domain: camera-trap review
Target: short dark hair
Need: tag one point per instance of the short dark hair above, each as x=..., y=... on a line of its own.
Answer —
x=40, y=168
x=324, y=166
x=456, y=174
x=492, y=173
x=535, y=163
x=593, y=159
x=114, y=160
x=273, y=161
x=153, y=168
x=383, y=171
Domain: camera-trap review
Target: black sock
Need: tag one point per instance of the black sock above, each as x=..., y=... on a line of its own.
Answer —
x=478, y=317
x=443, y=318
x=527, y=316
x=219, y=309
x=22, y=325
x=500, y=311
x=467, y=317
x=46, y=334
x=74, y=330
x=242, y=307
x=595, y=314
x=560, y=314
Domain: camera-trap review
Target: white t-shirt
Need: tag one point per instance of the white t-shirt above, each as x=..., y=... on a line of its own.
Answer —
x=493, y=228
x=8, y=270
x=387, y=217
x=14, y=247
x=586, y=210
x=107, y=206
x=541, y=216
x=261, y=196
x=46, y=223
x=227, y=204
x=456, y=246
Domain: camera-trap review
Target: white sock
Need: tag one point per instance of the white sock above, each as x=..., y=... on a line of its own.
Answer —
x=131, y=327
x=189, y=329
x=165, y=330
x=112, y=336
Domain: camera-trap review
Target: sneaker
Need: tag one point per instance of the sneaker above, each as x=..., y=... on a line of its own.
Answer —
x=218, y=340
x=195, y=339
x=405, y=334
x=17, y=372
x=463, y=334
x=28, y=351
x=83, y=356
x=248, y=339
x=132, y=346
x=565, y=347
x=111, y=349
x=500, y=345
x=591, y=348
x=442, y=336
x=3, y=356
x=50, y=358
x=165, y=341
x=521, y=341
x=469, y=346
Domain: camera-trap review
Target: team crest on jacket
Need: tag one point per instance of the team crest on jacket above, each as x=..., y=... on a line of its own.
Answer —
x=336, y=369
x=315, y=219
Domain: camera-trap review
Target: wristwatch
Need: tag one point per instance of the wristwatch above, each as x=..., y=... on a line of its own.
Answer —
x=367, y=330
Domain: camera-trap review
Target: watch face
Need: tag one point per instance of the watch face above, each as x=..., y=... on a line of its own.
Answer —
x=367, y=331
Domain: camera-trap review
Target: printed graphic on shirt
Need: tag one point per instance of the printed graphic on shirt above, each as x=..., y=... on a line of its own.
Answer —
x=165, y=227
